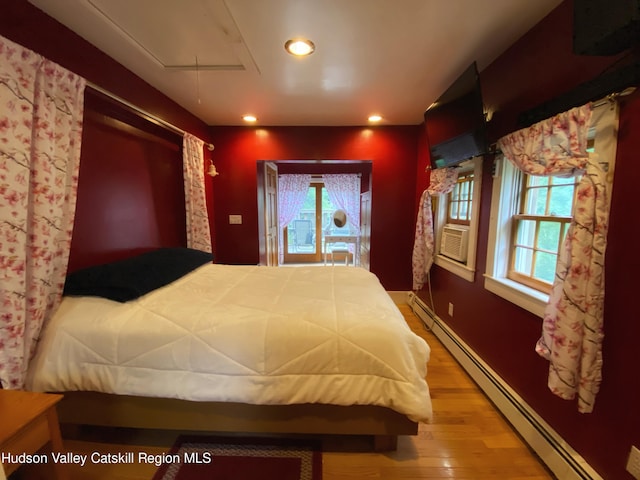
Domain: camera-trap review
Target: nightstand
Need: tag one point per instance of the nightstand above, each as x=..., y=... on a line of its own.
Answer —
x=28, y=422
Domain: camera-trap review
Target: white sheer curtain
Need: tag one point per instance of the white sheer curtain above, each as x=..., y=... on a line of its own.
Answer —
x=572, y=331
x=292, y=191
x=441, y=182
x=198, y=231
x=344, y=192
x=41, y=108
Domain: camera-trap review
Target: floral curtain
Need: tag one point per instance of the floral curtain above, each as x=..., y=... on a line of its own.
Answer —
x=198, y=231
x=344, y=192
x=441, y=182
x=41, y=108
x=572, y=331
x=292, y=191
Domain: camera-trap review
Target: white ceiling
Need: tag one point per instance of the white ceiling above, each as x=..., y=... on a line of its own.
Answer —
x=220, y=59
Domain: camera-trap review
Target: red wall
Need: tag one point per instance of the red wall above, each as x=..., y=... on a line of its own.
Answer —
x=130, y=188
x=24, y=24
x=536, y=69
x=392, y=152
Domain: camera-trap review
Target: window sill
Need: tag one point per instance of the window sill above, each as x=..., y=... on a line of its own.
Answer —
x=454, y=267
x=525, y=297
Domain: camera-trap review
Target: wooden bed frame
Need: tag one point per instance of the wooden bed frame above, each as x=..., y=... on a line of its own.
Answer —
x=91, y=246
x=91, y=408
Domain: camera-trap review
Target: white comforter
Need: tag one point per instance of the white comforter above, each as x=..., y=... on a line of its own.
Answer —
x=258, y=335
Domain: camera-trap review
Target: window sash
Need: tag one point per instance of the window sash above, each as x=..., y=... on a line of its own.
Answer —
x=531, y=251
x=547, y=192
x=532, y=262
x=506, y=202
x=460, y=201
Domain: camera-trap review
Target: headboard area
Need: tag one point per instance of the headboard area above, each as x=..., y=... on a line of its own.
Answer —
x=130, y=186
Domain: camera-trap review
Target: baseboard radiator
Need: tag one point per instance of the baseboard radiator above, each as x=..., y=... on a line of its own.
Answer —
x=560, y=458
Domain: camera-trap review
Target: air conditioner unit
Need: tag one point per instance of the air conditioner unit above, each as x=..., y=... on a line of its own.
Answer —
x=454, y=242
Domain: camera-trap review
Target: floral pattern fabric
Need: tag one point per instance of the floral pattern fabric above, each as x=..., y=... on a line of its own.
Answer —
x=343, y=189
x=292, y=192
x=572, y=331
x=41, y=109
x=344, y=192
x=441, y=182
x=198, y=231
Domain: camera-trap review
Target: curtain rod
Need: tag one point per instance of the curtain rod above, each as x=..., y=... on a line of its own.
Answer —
x=612, y=97
x=147, y=115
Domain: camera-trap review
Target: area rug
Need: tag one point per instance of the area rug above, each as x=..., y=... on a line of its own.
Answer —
x=227, y=458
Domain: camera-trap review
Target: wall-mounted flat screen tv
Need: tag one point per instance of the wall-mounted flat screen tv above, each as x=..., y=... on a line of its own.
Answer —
x=455, y=123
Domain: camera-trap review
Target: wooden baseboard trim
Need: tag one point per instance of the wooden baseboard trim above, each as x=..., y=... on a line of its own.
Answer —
x=552, y=449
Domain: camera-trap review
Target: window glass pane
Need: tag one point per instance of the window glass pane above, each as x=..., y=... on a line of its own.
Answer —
x=459, y=207
x=561, y=200
x=464, y=191
x=548, y=235
x=301, y=232
x=536, y=201
x=540, y=201
x=529, y=206
x=545, y=267
x=563, y=181
x=522, y=260
x=526, y=232
x=328, y=208
x=464, y=214
x=327, y=211
x=535, y=181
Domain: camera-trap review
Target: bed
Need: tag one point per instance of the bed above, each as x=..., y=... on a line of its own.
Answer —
x=169, y=339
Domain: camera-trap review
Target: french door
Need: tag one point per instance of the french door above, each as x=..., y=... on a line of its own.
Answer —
x=304, y=236
x=271, y=213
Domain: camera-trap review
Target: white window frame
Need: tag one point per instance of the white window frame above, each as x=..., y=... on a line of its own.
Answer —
x=504, y=204
x=466, y=269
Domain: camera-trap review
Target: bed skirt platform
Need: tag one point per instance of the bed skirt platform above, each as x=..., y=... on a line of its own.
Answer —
x=91, y=408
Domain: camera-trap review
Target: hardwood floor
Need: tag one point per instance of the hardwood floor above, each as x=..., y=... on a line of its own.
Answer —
x=468, y=439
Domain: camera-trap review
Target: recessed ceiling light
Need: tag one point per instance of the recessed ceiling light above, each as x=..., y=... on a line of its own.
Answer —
x=299, y=47
x=375, y=118
x=250, y=118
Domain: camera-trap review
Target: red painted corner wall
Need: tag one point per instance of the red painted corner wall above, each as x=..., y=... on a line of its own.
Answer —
x=23, y=23
x=536, y=69
x=392, y=152
x=26, y=25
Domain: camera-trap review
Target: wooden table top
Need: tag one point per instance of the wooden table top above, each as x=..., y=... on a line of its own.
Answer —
x=18, y=408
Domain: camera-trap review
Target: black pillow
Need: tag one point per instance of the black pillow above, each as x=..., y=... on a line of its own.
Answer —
x=128, y=279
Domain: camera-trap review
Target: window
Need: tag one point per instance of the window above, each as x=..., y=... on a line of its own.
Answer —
x=530, y=216
x=303, y=244
x=460, y=200
x=304, y=235
x=458, y=212
x=546, y=208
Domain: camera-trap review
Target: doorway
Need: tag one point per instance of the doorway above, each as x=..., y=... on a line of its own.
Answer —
x=304, y=236
x=304, y=241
